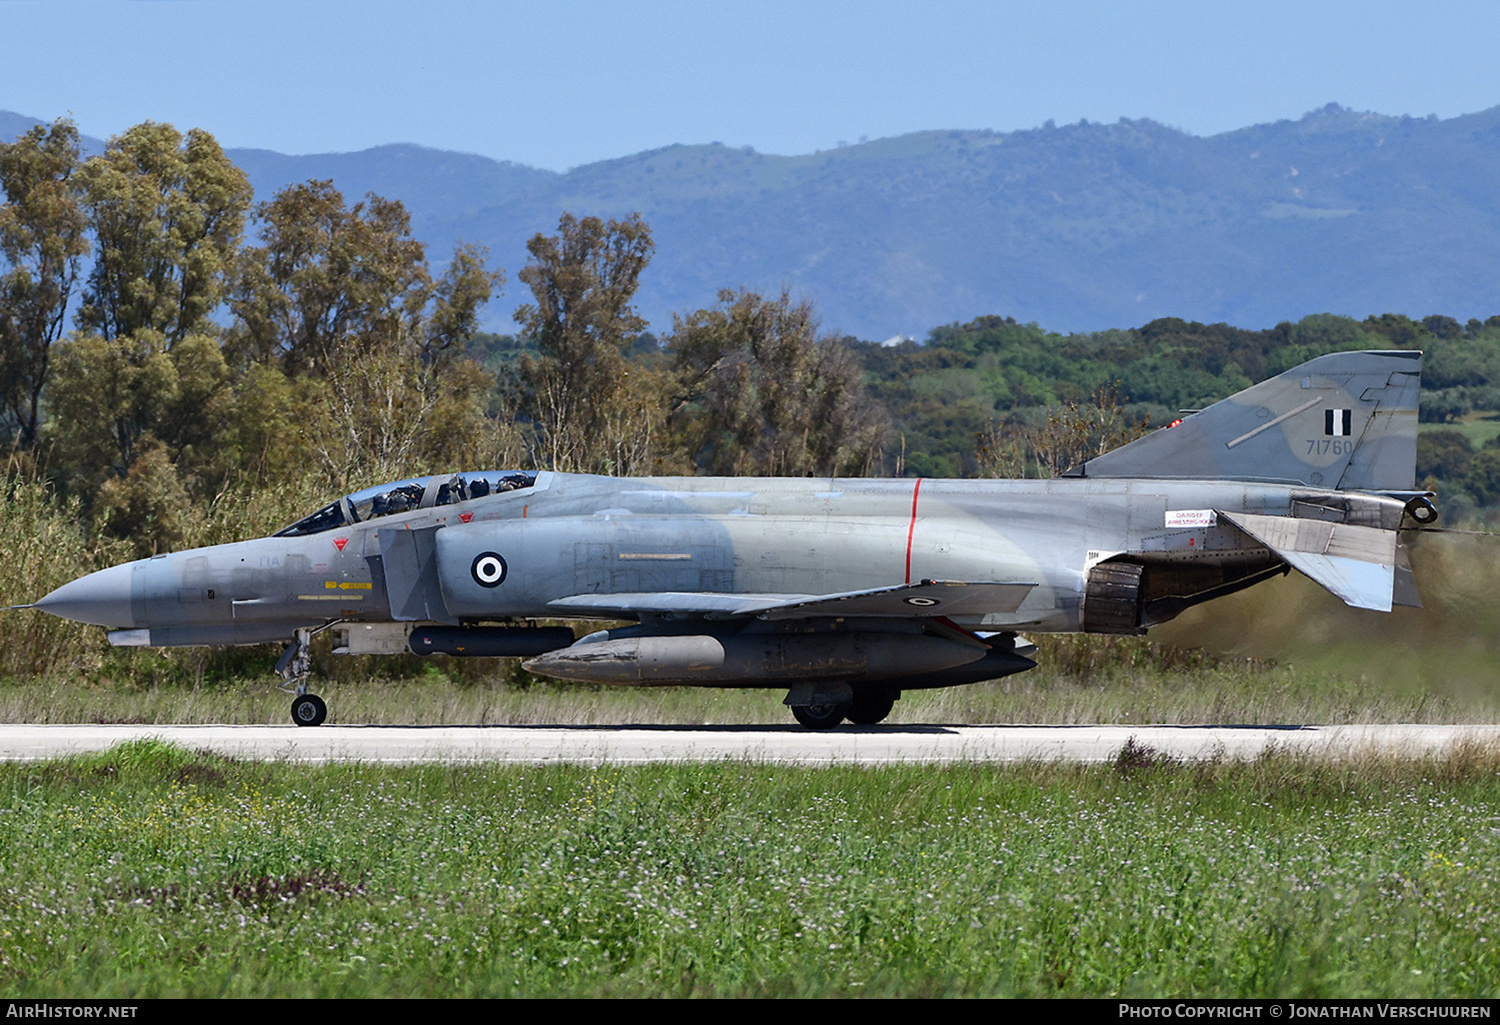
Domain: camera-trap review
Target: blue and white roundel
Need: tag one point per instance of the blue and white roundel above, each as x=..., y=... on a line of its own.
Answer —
x=488, y=569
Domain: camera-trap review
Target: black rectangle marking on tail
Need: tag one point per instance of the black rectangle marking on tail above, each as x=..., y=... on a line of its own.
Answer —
x=1338, y=422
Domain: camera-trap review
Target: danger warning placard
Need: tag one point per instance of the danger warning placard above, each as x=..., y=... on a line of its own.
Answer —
x=1190, y=518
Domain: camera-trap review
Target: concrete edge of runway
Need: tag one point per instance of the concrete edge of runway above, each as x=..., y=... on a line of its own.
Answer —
x=637, y=745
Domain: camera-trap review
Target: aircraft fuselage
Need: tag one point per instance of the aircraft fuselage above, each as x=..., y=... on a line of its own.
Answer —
x=575, y=535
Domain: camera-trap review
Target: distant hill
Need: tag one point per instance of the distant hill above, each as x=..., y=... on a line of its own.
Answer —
x=1077, y=227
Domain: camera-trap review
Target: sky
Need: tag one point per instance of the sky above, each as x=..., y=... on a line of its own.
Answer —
x=558, y=83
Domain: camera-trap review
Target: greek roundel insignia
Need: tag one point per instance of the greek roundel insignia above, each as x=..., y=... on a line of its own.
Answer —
x=488, y=569
x=1337, y=422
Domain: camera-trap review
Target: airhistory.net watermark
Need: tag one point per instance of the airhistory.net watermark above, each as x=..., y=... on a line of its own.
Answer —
x=67, y=1009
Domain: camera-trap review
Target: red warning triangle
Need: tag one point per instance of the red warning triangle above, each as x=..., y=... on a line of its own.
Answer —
x=340, y=542
x=465, y=517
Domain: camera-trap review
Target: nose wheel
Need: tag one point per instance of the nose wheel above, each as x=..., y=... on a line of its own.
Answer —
x=308, y=710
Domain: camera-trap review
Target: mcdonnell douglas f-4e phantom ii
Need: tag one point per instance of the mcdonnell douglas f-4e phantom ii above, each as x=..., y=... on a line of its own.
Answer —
x=845, y=592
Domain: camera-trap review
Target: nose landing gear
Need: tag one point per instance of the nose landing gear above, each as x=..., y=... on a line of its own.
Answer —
x=295, y=667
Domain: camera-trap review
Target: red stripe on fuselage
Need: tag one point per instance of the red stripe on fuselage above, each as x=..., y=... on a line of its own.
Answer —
x=912, y=529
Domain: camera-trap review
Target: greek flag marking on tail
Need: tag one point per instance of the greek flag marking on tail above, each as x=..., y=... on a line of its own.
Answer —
x=1368, y=407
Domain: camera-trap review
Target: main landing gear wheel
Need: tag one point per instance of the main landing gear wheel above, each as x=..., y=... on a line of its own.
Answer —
x=821, y=717
x=308, y=710
x=867, y=709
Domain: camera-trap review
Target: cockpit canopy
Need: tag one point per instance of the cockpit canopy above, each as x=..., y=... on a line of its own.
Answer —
x=406, y=495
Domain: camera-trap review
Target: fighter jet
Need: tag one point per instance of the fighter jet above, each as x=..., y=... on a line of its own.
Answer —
x=844, y=592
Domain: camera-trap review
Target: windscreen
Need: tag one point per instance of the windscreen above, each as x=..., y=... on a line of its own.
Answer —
x=406, y=495
x=326, y=518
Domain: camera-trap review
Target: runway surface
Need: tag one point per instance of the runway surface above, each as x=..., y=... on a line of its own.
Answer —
x=789, y=745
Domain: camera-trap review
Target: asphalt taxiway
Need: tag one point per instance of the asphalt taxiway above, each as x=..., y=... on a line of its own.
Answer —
x=788, y=745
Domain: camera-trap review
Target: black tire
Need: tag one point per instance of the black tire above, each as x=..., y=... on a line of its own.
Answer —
x=308, y=710
x=870, y=707
x=821, y=717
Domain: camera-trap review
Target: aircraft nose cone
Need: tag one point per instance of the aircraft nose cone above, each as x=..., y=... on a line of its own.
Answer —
x=101, y=598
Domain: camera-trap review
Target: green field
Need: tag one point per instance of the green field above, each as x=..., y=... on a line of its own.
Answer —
x=1480, y=428
x=152, y=871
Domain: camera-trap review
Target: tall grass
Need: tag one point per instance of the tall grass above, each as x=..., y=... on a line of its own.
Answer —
x=43, y=545
x=46, y=541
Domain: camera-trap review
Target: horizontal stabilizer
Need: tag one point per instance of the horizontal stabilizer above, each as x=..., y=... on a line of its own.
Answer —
x=928, y=598
x=1357, y=564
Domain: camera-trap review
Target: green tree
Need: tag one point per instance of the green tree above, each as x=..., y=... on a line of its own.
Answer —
x=147, y=506
x=272, y=427
x=112, y=401
x=761, y=393
x=1483, y=477
x=168, y=212
x=341, y=301
x=387, y=415
x=329, y=280
x=42, y=241
x=589, y=409
x=1443, y=455
x=1069, y=434
x=146, y=376
x=452, y=317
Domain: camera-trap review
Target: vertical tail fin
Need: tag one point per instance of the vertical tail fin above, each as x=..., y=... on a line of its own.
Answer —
x=1347, y=421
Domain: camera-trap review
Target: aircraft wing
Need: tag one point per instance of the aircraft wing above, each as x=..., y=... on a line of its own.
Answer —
x=1357, y=564
x=927, y=598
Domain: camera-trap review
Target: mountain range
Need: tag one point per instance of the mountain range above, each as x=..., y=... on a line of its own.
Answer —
x=1077, y=227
